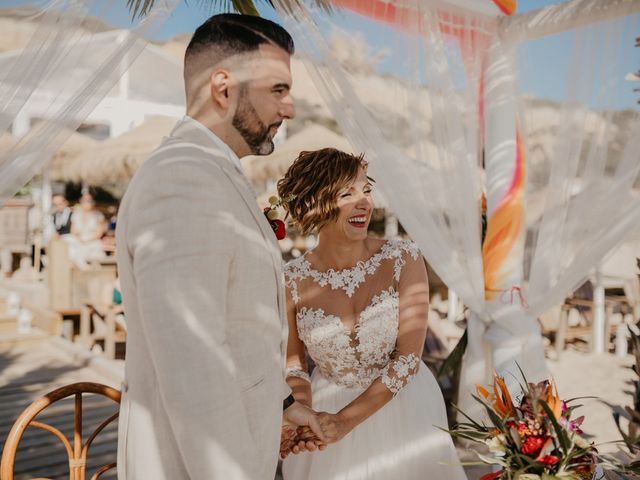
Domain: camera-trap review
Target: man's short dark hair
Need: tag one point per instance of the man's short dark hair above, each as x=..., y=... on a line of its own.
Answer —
x=231, y=34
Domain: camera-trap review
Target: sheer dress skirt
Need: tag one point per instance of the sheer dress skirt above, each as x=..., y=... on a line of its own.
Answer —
x=399, y=442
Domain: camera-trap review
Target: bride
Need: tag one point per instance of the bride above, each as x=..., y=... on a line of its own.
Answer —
x=358, y=306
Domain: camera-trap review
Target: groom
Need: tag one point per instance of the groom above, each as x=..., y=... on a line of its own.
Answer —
x=201, y=273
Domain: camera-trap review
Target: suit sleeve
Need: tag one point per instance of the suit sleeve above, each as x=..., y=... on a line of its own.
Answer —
x=181, y=239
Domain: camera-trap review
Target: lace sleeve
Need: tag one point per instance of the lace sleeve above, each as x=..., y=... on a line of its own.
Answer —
x=399, y=372
x=413, y=289
x=404, y=249
x=297, y=372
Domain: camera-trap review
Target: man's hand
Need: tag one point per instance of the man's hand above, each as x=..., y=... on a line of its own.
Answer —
x=297, y=441
x=287, y=439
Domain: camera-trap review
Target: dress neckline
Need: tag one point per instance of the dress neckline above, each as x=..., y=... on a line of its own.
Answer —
x=349, y=279
x=359, y=264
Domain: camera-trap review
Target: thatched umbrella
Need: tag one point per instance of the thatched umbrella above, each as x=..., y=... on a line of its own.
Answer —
x=64, y=165
x=261, y=169
x=117, y=159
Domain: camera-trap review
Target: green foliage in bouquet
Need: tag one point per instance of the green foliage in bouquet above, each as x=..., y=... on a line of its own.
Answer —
x=535, y=438
x=631, y=437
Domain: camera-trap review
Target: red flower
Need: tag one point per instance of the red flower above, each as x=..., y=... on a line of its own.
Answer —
x=278, y=228
x=549, y=460
x=491, y=476
x=532, y=444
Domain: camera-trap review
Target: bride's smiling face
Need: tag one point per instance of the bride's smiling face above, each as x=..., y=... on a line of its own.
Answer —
x=355, y=206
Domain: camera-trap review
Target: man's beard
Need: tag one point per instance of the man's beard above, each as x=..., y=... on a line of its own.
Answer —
x=251, y=128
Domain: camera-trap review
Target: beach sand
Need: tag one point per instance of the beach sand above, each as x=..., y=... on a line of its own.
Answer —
x=605, y=376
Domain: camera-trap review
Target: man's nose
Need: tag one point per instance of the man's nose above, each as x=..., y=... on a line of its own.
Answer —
x=287, y=108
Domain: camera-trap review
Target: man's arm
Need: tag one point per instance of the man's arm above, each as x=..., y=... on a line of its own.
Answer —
x=182, y=240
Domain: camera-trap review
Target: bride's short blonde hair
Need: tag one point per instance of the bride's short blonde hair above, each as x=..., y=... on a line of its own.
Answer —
x=314, y=181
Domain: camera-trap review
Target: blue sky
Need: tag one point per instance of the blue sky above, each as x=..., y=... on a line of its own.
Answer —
x=543, y=63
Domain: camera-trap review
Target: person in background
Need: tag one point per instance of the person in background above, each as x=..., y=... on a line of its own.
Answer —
x=87, y=228
x=61, y=215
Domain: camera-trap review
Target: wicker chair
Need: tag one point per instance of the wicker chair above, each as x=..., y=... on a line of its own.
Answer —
x=76, y=451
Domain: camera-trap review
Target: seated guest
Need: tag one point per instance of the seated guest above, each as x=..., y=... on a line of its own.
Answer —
x=61, y=215
x=87, y=228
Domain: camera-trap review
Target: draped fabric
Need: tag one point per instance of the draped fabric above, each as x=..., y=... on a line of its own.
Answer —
x=452, y=102
x=36, y=79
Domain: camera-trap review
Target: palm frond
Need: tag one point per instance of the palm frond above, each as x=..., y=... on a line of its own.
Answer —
x=140, y=8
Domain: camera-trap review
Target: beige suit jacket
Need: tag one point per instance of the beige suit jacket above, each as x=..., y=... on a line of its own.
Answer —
x=206, y=329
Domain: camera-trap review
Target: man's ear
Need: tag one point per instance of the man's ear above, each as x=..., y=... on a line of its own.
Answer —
x=220, y=83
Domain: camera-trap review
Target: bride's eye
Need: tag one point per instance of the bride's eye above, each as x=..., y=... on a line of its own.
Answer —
x=346, y=194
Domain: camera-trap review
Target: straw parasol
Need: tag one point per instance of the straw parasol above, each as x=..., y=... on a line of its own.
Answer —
x=261, y=169
x=116, y=159
x=64, y=164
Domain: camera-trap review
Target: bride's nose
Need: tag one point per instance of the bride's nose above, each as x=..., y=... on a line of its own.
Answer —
x=364, y=202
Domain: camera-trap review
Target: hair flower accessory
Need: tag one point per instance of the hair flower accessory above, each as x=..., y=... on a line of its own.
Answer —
x=273, y=217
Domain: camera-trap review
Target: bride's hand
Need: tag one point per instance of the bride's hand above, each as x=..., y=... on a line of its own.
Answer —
x=334, y=426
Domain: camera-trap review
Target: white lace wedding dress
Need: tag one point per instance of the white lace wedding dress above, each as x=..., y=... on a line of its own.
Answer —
x=400, y=441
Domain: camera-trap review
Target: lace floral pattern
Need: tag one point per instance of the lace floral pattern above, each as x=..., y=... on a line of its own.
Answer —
x=330, y=344
x=355, y=358
x=404, y=369
x=351, y=278
x=297, y=372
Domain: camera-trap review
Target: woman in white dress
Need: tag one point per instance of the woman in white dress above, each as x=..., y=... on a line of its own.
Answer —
x=358, y=306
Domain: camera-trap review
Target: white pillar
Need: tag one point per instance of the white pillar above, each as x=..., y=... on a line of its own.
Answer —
x=598, y=327
x=46, y=192
x=452, y=310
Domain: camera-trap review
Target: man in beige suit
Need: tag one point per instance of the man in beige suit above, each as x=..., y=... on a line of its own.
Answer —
x=201, y=274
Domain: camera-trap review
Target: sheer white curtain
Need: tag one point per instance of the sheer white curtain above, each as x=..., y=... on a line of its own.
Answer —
x=451, y=91
x=35, y=82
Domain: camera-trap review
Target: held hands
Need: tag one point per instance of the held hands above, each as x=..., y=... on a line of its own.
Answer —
x=300, y=418
x=320, y=429
x=299, y=440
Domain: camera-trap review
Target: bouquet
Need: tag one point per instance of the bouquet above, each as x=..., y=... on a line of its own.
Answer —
x=535, y=438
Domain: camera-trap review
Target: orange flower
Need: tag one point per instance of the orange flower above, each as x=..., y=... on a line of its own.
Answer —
x=503, y=402
x=554, y=402
x=482, y=391
x=500, y=399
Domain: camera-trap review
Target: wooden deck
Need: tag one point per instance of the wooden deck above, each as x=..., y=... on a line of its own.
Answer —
x=26, y=373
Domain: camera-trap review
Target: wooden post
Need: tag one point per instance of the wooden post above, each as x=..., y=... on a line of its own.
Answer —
x=598, y=340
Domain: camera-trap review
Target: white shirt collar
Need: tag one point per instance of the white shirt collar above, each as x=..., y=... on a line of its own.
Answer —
x=218, y=141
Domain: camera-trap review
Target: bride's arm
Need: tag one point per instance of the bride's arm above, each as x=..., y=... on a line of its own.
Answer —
x=297, y=371
x=413, y=290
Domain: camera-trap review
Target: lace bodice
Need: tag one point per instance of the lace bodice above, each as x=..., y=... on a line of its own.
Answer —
x=358, y=356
